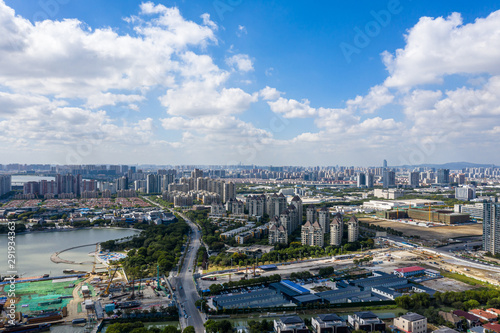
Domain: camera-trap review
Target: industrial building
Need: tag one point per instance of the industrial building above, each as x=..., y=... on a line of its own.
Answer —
x=441, y=216
x=256, y=299
x=409, y=271
x=289, y=289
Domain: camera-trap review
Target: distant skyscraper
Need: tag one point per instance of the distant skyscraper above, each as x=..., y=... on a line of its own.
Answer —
x=414, y=179
x=352, y=229
x=369, y=180
x=389, y=178
x=5, y=184
x=443, y=176
x=491, y=227
x=385, y=164
x=361, y=179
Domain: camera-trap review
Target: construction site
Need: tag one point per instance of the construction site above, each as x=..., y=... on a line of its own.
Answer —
x=79, y=299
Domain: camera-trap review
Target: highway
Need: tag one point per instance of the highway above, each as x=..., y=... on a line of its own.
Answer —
x=185, y=293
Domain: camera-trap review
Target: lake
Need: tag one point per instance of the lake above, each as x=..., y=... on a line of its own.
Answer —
x=33, y=250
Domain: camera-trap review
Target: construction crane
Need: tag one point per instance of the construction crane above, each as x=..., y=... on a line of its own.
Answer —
x=106, y=291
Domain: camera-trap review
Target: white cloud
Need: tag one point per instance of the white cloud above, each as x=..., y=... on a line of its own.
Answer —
x=241, y=61
x=437, y=47
x=378, y=97
x=270, y=94
x=242, y=30
x=291, y=108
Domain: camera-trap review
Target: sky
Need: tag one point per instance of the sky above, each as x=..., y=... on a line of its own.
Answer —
x=252, y=82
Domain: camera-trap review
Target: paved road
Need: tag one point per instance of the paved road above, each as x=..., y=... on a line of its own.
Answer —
x=184, y=283
x=185, y=289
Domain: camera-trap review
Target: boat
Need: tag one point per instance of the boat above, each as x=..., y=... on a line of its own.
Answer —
x=45, y=275
x=27, y=328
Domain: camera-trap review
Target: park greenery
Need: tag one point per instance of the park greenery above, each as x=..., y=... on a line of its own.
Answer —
x=156, y=245
x=138, y=327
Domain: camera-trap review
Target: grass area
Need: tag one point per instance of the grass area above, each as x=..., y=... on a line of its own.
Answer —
x=467, y=279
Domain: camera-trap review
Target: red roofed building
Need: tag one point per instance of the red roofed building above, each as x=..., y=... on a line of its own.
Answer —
x=409, y=271
x=484, y=315
x=494, y=311
x=492, y=327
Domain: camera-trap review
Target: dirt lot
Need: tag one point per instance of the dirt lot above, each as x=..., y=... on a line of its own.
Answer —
x=446, y=284
x=444, y=232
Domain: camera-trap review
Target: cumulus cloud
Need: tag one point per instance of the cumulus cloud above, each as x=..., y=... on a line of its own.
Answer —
x=291, y=108
x=437, y=47
x=270, y=94
x=378, y=97
x=242, y=62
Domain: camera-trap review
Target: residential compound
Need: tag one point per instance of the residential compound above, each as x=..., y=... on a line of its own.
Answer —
x=284, y=220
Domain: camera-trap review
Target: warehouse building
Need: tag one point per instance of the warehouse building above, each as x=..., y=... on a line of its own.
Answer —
x=379, y=281
x=289, y=289
x=409, y=271
x=256, y=299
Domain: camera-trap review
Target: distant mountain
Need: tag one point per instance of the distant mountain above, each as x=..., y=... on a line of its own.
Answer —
x=451, y=165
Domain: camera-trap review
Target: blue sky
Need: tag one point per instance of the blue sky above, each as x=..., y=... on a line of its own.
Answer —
x=256, y=82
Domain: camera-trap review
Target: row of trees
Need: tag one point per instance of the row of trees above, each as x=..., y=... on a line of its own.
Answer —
x=429, y=307
x=138, y=327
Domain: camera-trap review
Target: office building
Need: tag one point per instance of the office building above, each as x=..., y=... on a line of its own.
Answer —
x=491, y=227
x=465, y=192
x=443, y=176
x=389, y=178
x=370, y=180
x=414, y=179
x=411, y=322
x=361, y=179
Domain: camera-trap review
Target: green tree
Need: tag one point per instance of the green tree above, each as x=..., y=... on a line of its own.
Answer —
x=189, y=329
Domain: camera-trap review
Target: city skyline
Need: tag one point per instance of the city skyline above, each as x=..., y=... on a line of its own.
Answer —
x=223, y=83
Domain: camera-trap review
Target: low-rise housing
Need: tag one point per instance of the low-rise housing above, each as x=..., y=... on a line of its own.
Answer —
x=411, y=323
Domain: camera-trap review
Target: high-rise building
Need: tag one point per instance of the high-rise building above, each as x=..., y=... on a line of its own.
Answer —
x=229, y=192
x=461, y=179
x=414, y=179
x=336, y=232
x=297, y=202
x=311, y=214
x=196, y=173
x=389, y=178
x=5, y=184
x=491, y=227
x=443, y=176
x=466, y=192
x=256, y=205
x=277, y=232
x=153, y=183
x=361, y=179
x=275, y=204
x=385, y=164
x=312, y=234
x=352, y=229
x=324, y=219
x=370, y=180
